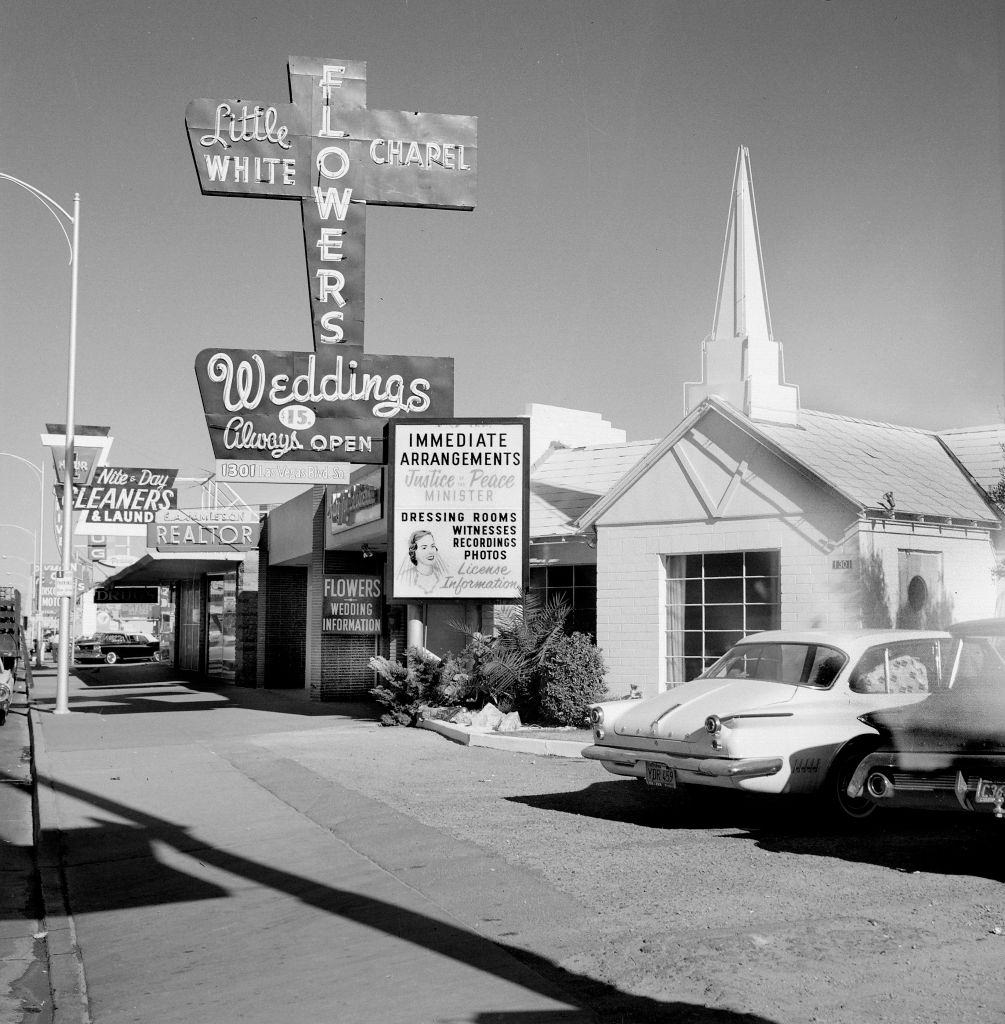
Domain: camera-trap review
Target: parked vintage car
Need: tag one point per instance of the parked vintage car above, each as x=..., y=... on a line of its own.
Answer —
x=948, y=752
x=778, y=713
x=113, y=647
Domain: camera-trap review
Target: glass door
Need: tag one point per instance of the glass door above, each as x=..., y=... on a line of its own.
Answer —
x=221, y=611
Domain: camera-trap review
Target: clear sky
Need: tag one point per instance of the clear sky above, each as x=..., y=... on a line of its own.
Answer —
x=586, y=275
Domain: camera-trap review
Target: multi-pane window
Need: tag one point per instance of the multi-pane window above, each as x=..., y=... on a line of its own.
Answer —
x=577, y=586
x=712, y=600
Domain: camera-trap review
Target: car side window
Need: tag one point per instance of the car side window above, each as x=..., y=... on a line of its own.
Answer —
x=826, y=665
x=907, y=666
x=979, y=666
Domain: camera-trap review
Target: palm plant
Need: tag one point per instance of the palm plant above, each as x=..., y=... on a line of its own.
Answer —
x=502, y=667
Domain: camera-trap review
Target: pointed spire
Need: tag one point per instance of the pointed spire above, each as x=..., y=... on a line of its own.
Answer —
x=741, y=307
x=741, y=361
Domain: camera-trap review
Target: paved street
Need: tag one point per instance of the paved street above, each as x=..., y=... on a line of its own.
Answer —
x=236, y=855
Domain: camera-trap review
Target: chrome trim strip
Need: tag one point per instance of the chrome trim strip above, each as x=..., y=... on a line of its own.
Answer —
x=712, y=767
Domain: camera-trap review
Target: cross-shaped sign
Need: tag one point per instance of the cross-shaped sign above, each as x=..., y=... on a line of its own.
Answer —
x=327, y=150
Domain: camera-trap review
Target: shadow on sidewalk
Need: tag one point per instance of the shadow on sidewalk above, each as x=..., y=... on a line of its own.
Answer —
x=141, y=688
x=591, y=999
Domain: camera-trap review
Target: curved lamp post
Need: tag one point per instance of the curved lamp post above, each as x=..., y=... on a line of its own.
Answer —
x=39, y=471
x=62, y=218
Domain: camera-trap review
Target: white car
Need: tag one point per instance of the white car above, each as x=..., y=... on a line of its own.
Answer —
x=778, y=713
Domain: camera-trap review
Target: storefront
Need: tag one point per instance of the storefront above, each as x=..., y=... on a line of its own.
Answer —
x=213, y=624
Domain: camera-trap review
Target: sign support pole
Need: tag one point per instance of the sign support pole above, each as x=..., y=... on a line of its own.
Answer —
x=66, y=603
x=415, y=628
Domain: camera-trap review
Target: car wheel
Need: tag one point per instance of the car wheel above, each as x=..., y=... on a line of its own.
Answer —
x=847, y=809
x=111, y=658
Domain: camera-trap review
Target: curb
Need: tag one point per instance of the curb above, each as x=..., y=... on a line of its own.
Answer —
x=471, y=737
x=66, y=966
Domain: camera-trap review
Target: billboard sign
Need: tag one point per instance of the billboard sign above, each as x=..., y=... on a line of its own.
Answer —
x=124, y=499
x=52, y=586
x=327, y=150
x=204, y=529
x=358, y=503
x=352, y=605
x=291, y=408
x=126, y=595
x=90, y=449
x=459, y=507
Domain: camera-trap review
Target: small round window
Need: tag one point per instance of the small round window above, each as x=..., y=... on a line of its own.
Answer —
x=917, y=593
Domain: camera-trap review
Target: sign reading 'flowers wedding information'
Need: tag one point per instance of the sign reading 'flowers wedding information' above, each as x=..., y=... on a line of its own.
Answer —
x=459, y=501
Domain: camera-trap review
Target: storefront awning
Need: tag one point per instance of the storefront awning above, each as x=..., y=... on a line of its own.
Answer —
x=155, y=568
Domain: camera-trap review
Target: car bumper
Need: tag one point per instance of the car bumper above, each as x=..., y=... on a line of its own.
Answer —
x=929, y=780
x=622, y=761
x=88, y=656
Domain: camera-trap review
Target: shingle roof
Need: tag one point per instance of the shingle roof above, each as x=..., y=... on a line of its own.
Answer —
x=980, y=450
x=565, y=482
x=865, y=460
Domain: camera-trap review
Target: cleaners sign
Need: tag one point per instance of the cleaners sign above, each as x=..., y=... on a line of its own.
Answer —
x=459, y=509
x=123, y=500
x=352, y=605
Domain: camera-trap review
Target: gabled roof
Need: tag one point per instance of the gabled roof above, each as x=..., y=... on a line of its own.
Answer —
x=859, y=460
x=565, y=482
x=980, y=450
x=868, y=460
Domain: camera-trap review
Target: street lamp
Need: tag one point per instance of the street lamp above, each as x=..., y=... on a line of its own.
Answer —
x=63, y=670
x=39, y=471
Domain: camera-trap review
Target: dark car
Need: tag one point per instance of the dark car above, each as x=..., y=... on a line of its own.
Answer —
x=948, y=751
x=113, y=647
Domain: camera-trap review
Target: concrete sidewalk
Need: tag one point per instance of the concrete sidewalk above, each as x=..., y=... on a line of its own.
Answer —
x=24, y=979
x=190, y=874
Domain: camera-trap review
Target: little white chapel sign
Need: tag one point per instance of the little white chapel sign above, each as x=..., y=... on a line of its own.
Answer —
x=280, y=416
x=328, y=150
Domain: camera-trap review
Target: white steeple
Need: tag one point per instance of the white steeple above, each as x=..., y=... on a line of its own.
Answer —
x=740, y=360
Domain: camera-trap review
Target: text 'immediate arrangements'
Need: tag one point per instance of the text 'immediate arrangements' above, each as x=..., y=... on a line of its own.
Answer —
x=459, y=509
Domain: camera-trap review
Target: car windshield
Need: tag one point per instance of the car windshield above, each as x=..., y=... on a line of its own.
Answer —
x=814, y=665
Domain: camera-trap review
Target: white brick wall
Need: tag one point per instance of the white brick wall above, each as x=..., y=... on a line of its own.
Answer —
x=814, y=594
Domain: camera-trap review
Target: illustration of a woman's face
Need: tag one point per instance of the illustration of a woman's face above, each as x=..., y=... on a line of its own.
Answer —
x=425, y=551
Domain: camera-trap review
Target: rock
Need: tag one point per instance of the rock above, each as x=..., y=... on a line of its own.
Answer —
x=462, y=717
x=509, y=723
x=488, y=718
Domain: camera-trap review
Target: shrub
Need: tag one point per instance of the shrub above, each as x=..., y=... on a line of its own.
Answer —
x=875, y=600
x=502, y=668
x=406, y=689
x=477, y=676
x=571, y=677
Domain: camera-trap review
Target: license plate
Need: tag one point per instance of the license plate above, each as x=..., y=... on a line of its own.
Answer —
x=989, y=792
x=660, y=775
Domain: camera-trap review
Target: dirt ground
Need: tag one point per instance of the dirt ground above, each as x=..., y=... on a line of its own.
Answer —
x=755, y=909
